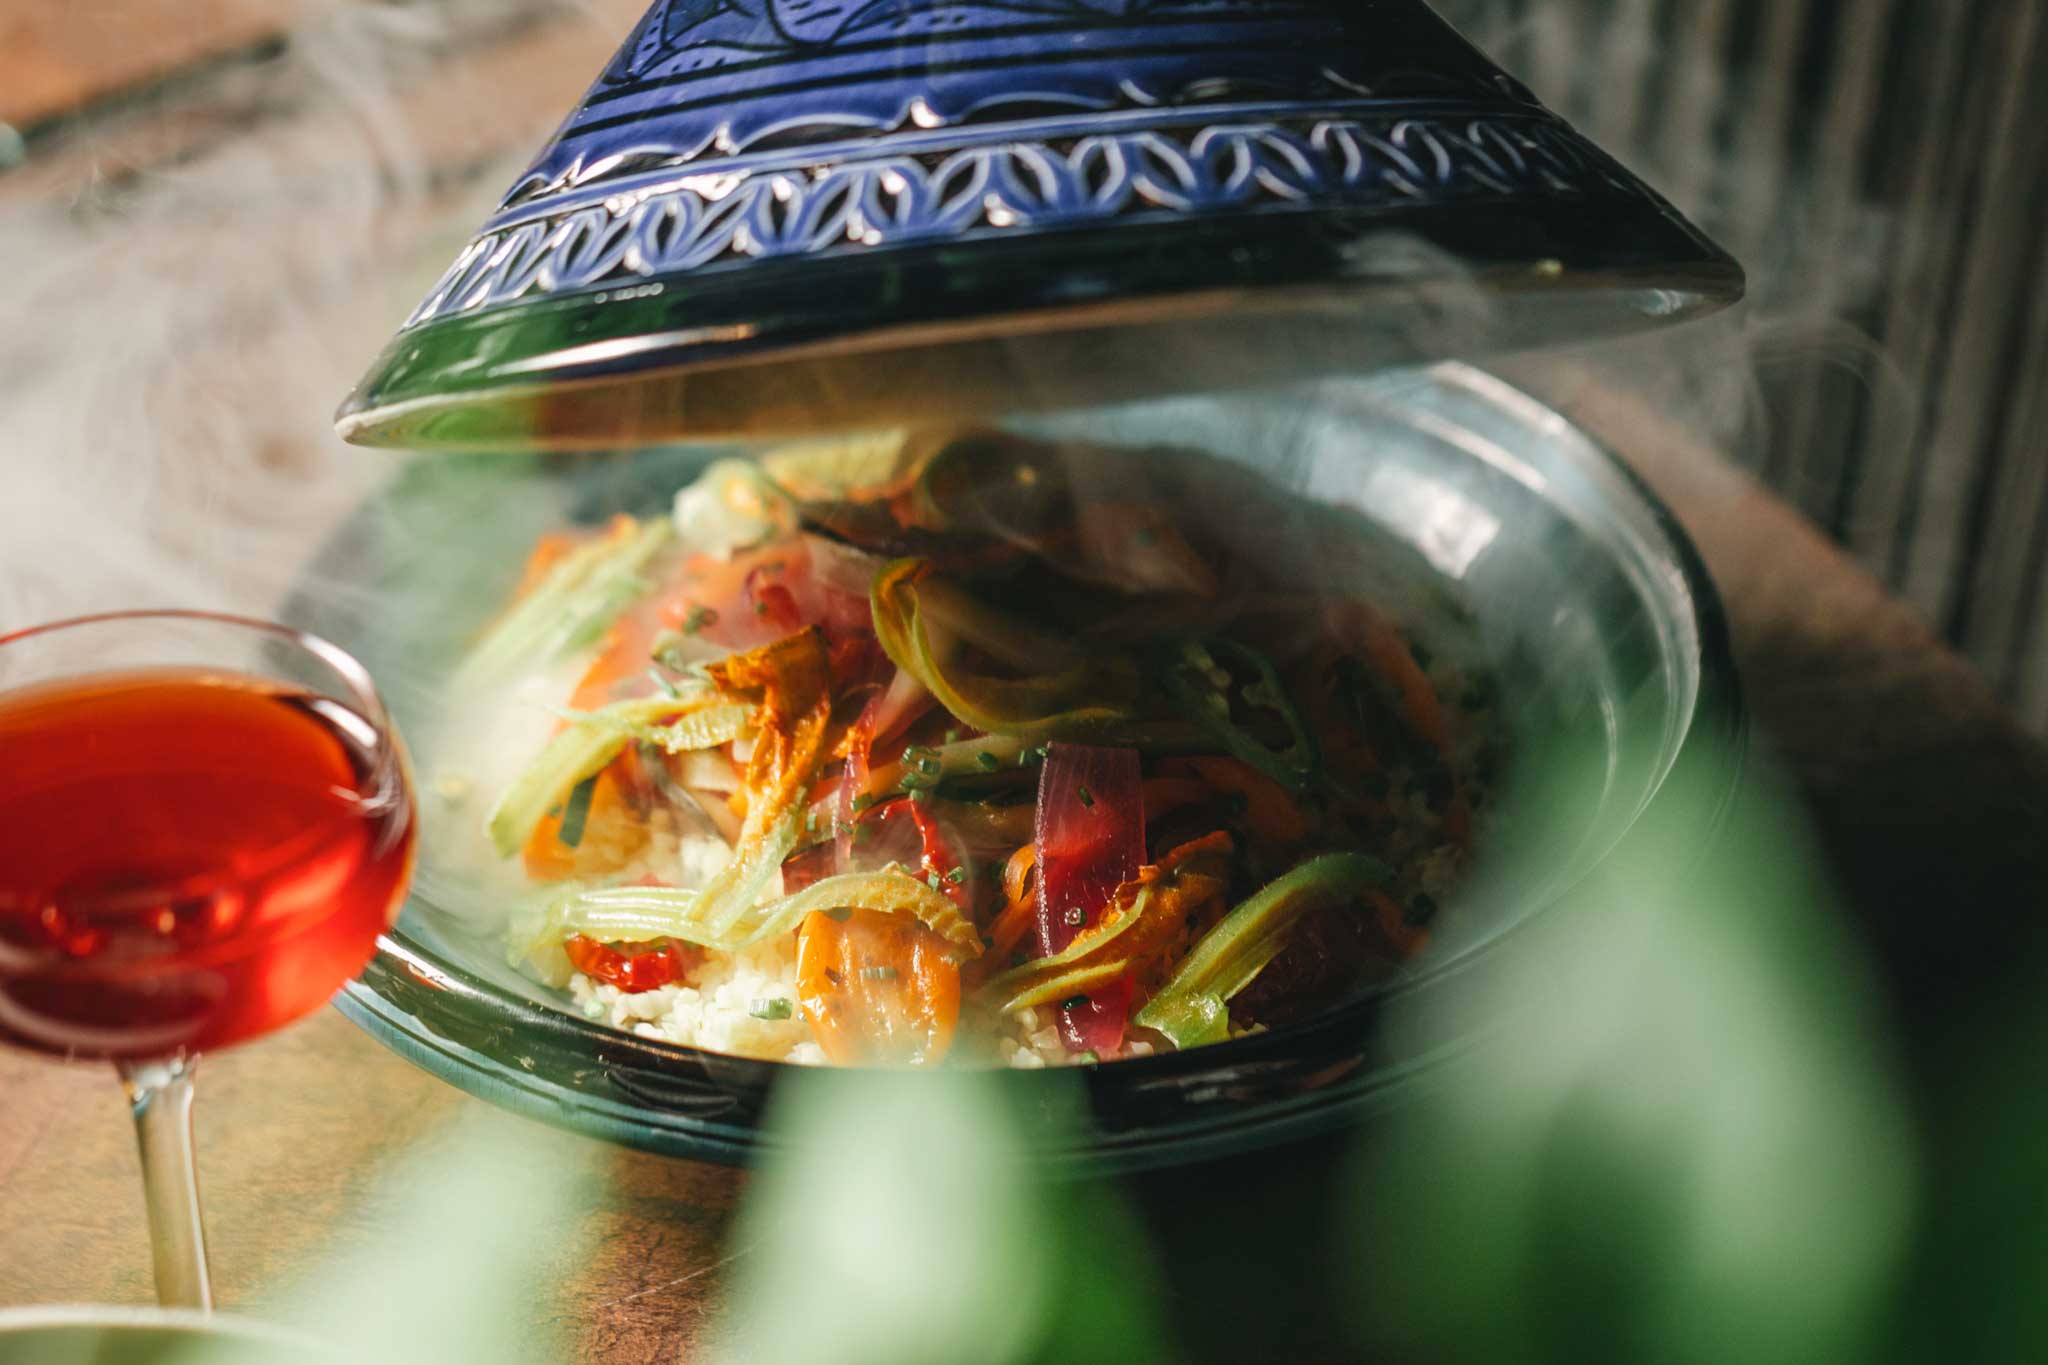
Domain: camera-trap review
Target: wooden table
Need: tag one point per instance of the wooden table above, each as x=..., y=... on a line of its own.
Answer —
x=1929, y=802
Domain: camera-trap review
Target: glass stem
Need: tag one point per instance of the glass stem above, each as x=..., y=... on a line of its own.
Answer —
x=160, y=1093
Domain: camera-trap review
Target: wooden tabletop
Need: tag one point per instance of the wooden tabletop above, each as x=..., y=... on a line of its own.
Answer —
x=1929, y=802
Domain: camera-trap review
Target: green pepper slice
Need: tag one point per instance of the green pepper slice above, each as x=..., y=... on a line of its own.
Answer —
x=1192, y=1007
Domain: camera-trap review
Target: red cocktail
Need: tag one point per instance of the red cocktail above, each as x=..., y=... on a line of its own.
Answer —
x=191, y=854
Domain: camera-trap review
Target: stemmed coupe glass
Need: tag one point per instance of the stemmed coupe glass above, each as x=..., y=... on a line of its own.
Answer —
x=205, y=822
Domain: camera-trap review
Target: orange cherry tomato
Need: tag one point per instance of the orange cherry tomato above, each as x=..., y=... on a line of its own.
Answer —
x=877, y=989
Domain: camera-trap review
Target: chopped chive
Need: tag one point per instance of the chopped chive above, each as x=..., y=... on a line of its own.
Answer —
x=1073, y=1002
x=1091, y=1055
x=810, y=822
x=878, y=973
x=577, y=812
x=987, y=761
x=862, y=802
x=921, y=796
x=911, y=781
x=1087, y=797
x=957, y=875
x=952, y=736
x=761, y=608
x=931, y=879
x=930, y=767
x=699, y=618
x=775, y=1008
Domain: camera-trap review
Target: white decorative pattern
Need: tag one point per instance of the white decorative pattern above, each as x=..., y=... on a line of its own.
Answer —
x=897, y=200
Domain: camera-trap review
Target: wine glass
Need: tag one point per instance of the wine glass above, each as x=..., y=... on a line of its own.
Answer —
x=205, y=822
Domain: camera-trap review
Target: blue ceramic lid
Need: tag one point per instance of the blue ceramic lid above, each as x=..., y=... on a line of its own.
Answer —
x=773, y=215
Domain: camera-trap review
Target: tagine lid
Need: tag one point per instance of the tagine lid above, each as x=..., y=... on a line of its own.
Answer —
x=779, y=215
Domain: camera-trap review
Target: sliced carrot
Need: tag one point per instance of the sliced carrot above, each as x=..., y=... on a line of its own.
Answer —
x=1391, y=655
x=1018, y=917
x=1017, y=873
x=1006, y=931
x=1269, y=812
x=877, y=989
x=628, y=652
x=613, y=832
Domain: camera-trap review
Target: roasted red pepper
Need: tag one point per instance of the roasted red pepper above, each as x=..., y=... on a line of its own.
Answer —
x=938, y=862
x=632, y=967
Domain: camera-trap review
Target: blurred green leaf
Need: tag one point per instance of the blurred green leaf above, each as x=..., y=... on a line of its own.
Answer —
x=899, y=1219
x=1682, y=1141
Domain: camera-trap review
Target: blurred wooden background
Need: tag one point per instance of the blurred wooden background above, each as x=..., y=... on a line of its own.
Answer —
x=1880, y=166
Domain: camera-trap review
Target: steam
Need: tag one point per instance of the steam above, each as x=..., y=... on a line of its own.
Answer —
x=172, y=342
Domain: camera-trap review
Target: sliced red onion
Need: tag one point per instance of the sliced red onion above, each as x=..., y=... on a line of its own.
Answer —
x=1090, y=839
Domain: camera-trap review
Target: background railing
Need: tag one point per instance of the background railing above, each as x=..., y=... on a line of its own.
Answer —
x=1881, y=167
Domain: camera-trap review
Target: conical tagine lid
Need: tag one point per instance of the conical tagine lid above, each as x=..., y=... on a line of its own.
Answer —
x=777, y=215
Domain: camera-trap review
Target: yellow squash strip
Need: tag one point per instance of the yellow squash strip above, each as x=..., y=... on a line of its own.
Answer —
x=583, y=747
x=635, y=914
x=1143, y=919
x=705, y=729
x=1079, y=695
x=579, y=593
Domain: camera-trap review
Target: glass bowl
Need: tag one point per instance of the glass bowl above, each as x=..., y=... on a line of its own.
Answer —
x=1575, y=585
